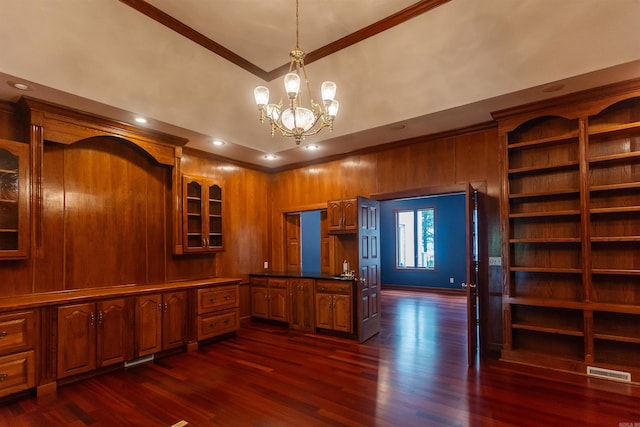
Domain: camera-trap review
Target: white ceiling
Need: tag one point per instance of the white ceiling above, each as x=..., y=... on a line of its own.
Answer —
x=446, y=68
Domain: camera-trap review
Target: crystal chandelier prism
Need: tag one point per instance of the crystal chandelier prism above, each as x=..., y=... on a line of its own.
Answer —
x=295, y=120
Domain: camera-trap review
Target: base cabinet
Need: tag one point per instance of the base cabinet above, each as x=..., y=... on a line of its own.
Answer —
x=334, y=306
x=161, y=321
x=302, y=312
x=93, y=335
x=269, y=299
x=17, y=357
x=218, y=311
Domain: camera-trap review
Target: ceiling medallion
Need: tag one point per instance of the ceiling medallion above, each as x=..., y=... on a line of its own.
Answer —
x=297, y=121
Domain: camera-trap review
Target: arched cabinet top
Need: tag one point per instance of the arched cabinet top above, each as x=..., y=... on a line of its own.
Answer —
x=67, y=126
x=572, y=106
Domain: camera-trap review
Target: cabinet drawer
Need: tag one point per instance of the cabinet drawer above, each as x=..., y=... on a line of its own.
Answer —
x=259, y=281
x=217, y=324
x=211, y=299
x=334, y=287
x=16, y=331
x=278, y=283
x=17, y=373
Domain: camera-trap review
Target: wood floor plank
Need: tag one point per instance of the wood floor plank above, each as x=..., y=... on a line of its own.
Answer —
x=414, y=373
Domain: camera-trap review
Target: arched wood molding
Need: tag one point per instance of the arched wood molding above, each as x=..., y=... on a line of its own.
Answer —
x=67, y=126
x=51, y=122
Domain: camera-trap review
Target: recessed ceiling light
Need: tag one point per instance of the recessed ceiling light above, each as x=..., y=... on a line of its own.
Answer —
x=140, y=120
x=218, y=142
x=21, y=86
x=311, y=147
x=553, y=87
x=270, y=157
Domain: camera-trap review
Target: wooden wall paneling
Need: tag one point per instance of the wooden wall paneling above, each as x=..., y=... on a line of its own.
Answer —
x=106, y=213
x=49, y=266
x=11, y=126
x=246, y=220
x=424, y=164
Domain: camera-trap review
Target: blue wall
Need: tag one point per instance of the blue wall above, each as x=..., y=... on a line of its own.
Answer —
x=450, y=242
x=311, y=242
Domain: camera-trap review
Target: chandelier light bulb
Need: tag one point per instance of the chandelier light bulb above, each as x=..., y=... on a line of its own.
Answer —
x=328, y=91
x=292, y=84
x=332, y=108
x=261, y=95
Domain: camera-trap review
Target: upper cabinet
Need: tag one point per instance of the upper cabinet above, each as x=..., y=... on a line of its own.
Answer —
x=201, y=215
x=14, y=200
x=342, y=216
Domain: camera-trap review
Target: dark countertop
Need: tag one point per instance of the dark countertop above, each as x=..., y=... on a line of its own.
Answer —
x=302, y=274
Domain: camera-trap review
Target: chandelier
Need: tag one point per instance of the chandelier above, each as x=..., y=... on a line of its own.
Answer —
x=297, y=121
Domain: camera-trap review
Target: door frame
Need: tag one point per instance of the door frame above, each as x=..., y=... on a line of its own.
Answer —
x=483, y=244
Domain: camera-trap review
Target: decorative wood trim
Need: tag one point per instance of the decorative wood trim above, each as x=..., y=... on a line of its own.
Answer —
x=81, y=295
x=349, y=40
x=67, y=126
x=570, y=106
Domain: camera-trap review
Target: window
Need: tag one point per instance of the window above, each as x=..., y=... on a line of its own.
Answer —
x=415, y=243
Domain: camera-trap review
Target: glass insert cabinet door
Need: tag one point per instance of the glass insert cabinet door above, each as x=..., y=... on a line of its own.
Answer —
x=202, y=215
x=14, y=200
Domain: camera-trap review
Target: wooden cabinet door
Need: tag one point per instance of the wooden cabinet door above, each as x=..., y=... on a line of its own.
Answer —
x=259, y=301
x=342, y=313
x=114, y=335
x=201, y=215
x=14, y=200
x=174, y=319
x=350, y=214
x=324, y=312
x=334, y=215
x=278, y=304
x=193, y=215
x=148, y=324
x=301, y=291
x=76, y=339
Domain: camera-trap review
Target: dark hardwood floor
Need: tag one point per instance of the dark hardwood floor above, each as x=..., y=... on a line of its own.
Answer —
x=414, y=373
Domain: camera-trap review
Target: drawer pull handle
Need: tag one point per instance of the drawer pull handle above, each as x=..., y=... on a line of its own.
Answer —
x=4, y=377
x=323, y=288
x=212, y=299
x=341, y=289
x=226, y=297
x=226, y=321
x=3, y=334
x=212, y=325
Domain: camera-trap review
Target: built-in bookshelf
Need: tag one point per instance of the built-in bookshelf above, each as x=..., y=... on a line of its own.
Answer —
x=570, y=207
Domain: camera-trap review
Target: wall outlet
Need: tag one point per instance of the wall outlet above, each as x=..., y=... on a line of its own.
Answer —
x=495, y=261
x=451, y=280
x=266, y=265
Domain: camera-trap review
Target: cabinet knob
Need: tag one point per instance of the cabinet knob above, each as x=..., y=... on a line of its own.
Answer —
x=323, y=288
x=226, y=321
x=227, y=297
x=4, y=377
x=212, y=299
x=159, y=307
x=212, y=325
x=166, y=306
x=341, y=289
x=3, y=334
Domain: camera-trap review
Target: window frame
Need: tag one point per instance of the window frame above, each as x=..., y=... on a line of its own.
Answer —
x=415, y=211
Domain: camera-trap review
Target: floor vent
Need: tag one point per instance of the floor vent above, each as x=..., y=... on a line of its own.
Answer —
x=609, y=374
x=139, y=361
